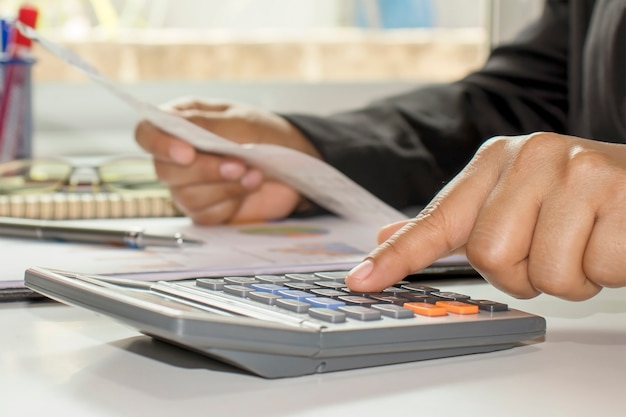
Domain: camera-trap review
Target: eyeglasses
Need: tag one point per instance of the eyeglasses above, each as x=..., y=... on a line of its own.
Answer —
x=123, y=174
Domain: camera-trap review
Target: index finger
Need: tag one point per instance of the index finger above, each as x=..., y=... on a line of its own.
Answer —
x=443, y=226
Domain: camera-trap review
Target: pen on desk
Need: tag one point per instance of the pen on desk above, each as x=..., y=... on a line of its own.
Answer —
x=132, y=238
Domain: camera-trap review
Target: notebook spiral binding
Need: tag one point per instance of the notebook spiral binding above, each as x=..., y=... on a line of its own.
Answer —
x=99, y=205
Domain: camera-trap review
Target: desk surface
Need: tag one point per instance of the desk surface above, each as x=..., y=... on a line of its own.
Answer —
x=59, y=360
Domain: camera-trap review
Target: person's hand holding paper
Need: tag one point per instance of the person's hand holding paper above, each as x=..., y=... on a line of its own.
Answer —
x=213, y=189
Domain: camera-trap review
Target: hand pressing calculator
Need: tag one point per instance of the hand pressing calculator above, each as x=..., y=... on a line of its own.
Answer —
x=297, y=324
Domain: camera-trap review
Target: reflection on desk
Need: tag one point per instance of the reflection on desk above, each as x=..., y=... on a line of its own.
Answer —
x=61, y=360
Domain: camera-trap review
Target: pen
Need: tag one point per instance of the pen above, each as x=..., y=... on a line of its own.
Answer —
x=5, y=29
x=132, y=238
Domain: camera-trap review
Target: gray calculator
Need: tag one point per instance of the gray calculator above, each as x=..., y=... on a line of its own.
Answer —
x=296, y=324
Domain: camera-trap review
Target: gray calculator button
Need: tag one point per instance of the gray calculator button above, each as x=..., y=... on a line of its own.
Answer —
x=360, y=313
x=264, y=297
x=338, y=276
x=488, y=305
x=389, y=299
x=303, y=286
x=238, y=290
x=215, y=284
x=272, y=279
x=302, y=277
x=394, y=311
x=394, y=291
x=293, y=305
x=245, y=281
x=325, y=314
x=424, y=289
x=331, y=284
x=449, y=295
x=357, y=300
x=327, y=292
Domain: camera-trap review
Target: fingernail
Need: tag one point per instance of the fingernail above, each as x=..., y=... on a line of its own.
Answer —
x=231, y=170
x=361, y=271
x=182, y=154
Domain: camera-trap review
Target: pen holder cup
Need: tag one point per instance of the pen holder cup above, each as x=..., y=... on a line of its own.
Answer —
x=16, y=114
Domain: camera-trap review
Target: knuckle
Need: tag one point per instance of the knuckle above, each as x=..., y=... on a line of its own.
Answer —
x=604, y=273
x=484, y=255
x=584, y=163
x=531, y=148
x=552, y=285
x=490, y=250
x=492, y=147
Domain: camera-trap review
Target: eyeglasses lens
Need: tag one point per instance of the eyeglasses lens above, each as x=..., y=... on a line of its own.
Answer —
x=130, y=175
x=32, y=176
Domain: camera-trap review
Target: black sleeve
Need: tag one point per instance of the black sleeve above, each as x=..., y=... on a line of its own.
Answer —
x=405, y=147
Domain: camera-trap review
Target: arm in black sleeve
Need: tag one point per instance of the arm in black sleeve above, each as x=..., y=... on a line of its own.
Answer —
x=405, y=147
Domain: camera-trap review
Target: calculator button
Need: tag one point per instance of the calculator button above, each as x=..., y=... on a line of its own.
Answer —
x=331, y=284
x=488, y=305
x=338, y=276
x=245, y=281
x=294, y=294
x=293, y=305
x=387, y=298
x=325, y=302
x=331, y=316
x=302, y=286
x=458, y=307
x=271, y=288
x=215, y=284
x=426, y=309
x=360, y=313
x=357, y=300
x=272, y=279
x=448, y=295
x=264, y=297
x=327, y=292
x=238, y=290
x=302, y=277
x=394, y=311
x=424, y=289
x=418, y=298
x=394, y=291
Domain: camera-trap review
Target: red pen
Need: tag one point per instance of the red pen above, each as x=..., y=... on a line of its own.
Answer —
x=18, y=52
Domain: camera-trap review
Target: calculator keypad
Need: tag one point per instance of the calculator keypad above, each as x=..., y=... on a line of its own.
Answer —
x=324, y=296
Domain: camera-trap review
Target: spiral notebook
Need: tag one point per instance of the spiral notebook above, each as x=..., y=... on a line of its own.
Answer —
x=99, y=205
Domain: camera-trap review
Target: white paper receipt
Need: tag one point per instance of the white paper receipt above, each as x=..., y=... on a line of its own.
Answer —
x=314, y=178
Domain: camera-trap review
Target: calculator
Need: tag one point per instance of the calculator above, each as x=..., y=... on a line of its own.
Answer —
x=294, y=324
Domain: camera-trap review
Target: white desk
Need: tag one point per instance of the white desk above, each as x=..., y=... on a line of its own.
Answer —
x=58, y=360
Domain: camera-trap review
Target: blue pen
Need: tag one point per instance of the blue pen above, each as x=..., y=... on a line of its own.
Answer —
x=5, y=29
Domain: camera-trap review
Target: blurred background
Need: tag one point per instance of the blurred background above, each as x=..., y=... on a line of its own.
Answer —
x=286, y=55
x=305, y=40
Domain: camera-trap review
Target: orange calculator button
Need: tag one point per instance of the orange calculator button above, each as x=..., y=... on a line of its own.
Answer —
x=426, y=309
x=458, y=307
